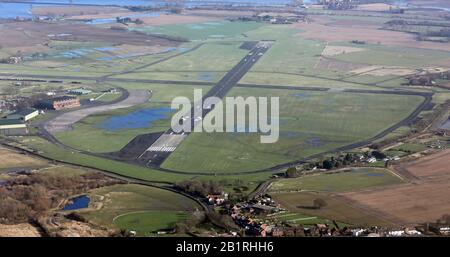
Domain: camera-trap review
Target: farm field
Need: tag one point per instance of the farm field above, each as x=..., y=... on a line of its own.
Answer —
x=202, y=31
x=346, y=180
x=10, y=159
x=135, y=207
x=348, y=118
x=297, y=219
x=49, y=150
x=336, y=209
x=424, y=200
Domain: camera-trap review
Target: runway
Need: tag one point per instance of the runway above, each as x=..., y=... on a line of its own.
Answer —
x=160, y=149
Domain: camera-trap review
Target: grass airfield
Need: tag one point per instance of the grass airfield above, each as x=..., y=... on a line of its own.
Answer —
x=311, y=122
x=347, y=117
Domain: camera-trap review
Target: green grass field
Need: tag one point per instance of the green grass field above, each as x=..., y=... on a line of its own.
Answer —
x=49, y=150
x=310, y=122
x=212, y=30
x=148, y=222
x=394, y=56
x=353, y=179
x=140, y=208
x=89, y=136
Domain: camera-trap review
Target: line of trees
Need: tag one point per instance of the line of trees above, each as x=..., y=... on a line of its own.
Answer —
x=200, y=188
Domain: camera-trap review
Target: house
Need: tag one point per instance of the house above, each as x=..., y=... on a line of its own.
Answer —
x=14, y=59
x=371, y=160
x=396, y=233
x=79, y=91
x=277, y=232
x=110, y=90
x=264, y=208
x=217, y=199
x=24, y=114
x=10, y=127
x=60, y=103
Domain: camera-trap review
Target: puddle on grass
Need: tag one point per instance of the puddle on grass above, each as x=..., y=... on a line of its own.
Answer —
x=445, y=125
x=143, y=118
x=301, y=95
x=206, y=77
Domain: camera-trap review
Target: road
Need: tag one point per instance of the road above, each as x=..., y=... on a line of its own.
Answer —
x=65, y=121
x=159, y=150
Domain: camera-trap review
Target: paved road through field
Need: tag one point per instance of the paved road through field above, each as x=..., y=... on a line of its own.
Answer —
x=65, y=121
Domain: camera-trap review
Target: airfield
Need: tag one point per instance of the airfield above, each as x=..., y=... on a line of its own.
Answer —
x=335, y=96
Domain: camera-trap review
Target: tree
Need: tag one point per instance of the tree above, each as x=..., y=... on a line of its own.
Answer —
x=348, y=157
x=291, y=172
x=379, y=155
x=318, y=203
x=327, y=164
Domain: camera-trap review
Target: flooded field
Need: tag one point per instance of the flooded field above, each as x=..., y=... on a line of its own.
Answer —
x=139, y=119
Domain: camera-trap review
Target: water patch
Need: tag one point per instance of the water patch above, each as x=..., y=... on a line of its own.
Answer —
x=106, y=48
x=301, y=95
x=107, y=58
x=100, y=21
x=314, y=142
x=206, y=77
x=76, y=203
x=290, y=134
x=14, y=10
x=445, y=125
x=76, y=53
x=114, y=20
x=143, y=118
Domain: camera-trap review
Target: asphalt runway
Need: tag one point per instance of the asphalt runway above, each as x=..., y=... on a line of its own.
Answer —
x=159, y=150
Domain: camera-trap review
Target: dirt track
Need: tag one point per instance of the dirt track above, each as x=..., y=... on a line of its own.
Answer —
x=65, y=121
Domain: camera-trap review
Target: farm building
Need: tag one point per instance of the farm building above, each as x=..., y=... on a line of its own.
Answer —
x=24, y=114
x=79, y=91
x=9, y=127
x=62, y=102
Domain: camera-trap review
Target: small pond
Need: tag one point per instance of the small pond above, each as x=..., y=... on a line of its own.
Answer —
x=76, y=203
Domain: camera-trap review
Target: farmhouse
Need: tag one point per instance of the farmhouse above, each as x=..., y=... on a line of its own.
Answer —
x=24, y=114
x=9, y=127
x=60, y=103
x=14, y=59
